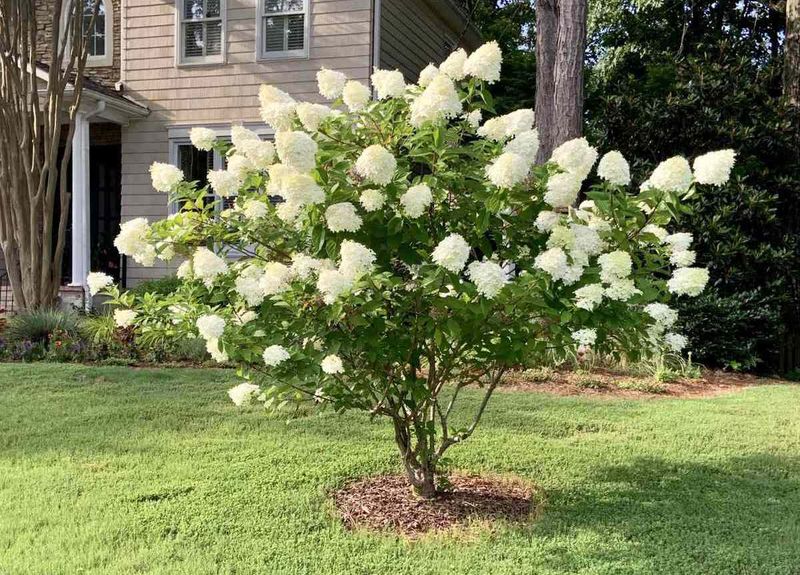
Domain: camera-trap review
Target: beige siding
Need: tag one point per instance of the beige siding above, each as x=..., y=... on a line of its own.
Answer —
x=340, y=38
x=413, y=35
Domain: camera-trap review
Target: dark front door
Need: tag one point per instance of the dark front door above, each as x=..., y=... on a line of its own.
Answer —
x=105, y=183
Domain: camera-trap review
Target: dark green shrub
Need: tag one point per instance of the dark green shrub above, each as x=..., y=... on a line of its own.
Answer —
x=160, y=286
x=746, y=231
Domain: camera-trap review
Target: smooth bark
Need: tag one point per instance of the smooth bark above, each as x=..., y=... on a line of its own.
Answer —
x=37, y=105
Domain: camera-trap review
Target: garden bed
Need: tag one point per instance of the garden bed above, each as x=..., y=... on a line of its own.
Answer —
x=387, y=503
x=611, y=383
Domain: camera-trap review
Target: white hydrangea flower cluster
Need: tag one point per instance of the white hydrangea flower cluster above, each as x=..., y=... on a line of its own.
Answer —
x=355, y=261
x=688, y=281
x=278, y=109
x=714, y=168
x=372, y=200
x=388, y=83
x=438, y=101
x=452, y=253
x=589, y=296
x=342, y=217
x=484, y=63
x=206, y=266
x=97, y=281
x=453, y=66
x=202, y=138
x=614, y=169
x=225, y=183
x=132, y=241
x=680, y=254
x=415, y=200
x=355, y=95
x=488, y=276
x=672, y=175
x=554, y=262
x=275, y=355
x=312, y=115
x=675, y=341
x=275, y=279
x=296, y=150
x=165, y=177
x=248, y=285
x=244, y=393
x=427, y=75
x=332, y=365
x=210, y=326
x=501, y=128
x=663, y=315
x=376, y=164
x=330, y=83
x=124, y=317
x=575, y=157
x=259, y=153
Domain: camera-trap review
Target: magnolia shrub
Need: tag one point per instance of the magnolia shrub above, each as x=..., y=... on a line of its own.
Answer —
x=385, y=252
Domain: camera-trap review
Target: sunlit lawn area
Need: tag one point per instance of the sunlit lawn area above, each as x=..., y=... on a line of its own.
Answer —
x=117, y=470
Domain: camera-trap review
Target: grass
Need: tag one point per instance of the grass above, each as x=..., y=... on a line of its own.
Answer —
x=114, y=470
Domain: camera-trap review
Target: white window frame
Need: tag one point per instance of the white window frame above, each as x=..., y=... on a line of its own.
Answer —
x=106, y=59
x=180, y=59
x=262, y=54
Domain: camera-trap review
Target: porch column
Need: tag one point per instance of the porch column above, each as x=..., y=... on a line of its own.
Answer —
x=80, y=201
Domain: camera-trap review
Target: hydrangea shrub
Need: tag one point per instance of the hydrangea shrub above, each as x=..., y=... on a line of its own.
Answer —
x=387, y=251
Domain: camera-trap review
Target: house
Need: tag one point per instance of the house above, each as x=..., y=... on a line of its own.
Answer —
x=159, y=67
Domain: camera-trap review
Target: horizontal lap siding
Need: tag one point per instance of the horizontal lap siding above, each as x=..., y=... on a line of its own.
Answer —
x=412, y=36
x=340, y=38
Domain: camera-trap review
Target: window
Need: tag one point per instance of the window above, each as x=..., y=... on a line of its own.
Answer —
x=201, y=31
x=100, y=33
x=283, y=29
x=195, y=165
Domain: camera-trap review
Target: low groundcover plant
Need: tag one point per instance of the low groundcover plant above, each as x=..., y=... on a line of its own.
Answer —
x=383, y=253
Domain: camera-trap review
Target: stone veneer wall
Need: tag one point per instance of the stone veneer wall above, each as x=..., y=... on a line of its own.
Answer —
x=107, y=75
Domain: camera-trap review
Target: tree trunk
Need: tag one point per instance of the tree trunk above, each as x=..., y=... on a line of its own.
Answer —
x=32, y=238
x=546, y=32
x=791, y=64
x=560, y=47
x=419, y=465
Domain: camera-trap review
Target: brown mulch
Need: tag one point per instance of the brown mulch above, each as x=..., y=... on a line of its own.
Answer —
x=387, y=503
x=606, y=382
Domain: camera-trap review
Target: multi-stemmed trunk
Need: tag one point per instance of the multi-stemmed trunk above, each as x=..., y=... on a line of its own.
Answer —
x=422, y=434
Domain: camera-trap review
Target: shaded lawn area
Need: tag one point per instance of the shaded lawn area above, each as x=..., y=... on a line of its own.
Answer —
x=118, y=470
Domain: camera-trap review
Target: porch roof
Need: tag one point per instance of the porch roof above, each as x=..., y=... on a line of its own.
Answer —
x=104, y=103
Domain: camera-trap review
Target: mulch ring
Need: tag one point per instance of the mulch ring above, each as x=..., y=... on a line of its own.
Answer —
x=610, y=383
x=387, y=503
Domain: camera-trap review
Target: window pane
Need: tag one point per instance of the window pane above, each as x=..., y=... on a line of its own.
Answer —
x=213, y=38
x=193, y=9
x=99, y=36
x=193, y=41
x=296, y=32
x=212, y=8
x=195, y=164
x=275, y=34
x=283, y=5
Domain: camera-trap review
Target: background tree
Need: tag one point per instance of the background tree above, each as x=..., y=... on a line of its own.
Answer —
x=560, y=47
x=791, y=67
x=38, y=103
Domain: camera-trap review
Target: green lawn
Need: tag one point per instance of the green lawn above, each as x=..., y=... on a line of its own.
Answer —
x=116, y=470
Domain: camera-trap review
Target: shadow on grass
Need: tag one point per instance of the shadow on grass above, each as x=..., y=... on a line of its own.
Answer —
x=738, y=515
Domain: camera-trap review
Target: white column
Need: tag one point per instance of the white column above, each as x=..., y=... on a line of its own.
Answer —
x=81, y=233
